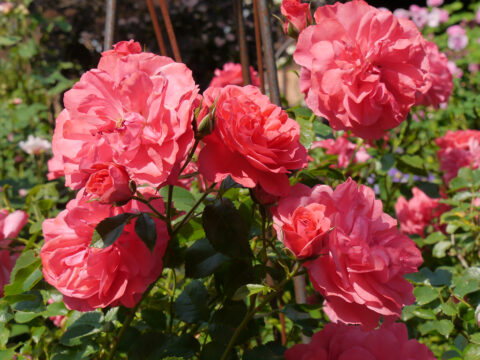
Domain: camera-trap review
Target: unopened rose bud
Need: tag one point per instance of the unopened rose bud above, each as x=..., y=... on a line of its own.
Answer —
x=298, y=17
x=206, y=124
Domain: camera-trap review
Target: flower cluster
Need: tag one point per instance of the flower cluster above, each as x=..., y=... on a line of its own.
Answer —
x=361, y=256
x=340, y=342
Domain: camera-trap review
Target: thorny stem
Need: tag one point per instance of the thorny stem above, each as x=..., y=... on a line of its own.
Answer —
x=147, y=202
x=190, y=156
x=169, y=210
x=253, y=310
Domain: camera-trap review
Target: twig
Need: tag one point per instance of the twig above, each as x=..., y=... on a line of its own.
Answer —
x=459, y=255
x=170, y=32
x=258, y=45
x=156, y=27
x=242, y=44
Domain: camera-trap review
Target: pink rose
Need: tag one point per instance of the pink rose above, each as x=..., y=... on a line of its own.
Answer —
x=440, y=77
x=361, y=67
x=254, y=141
x=364, y=256
x=135, y=111
x=457, y=38
x=347, y=151
x=342, y=342
x=454, y=69
x=91, y=277
x=417, y=213
x=11, y=224
x=402, y=13
x=231, y=74
x=110, y=183
x=444, y=15
x=458, y=149
x=477, y=16
x=298, y=16
x=419, y=15
x=7, y=262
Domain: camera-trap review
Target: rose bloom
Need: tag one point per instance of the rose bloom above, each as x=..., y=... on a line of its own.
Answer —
x=134, y=111
x=298, y=15
x=458, y=149
x=347, y=151
x=110, y=182
x=361, y=67
x=91, y=277
x=6, y=7
x=361, y=262
x=254, y=141
x=402, y=13
x=342, y=342
x=454, y=69
x=440, y=77
x=10, y=226
x=231, y=74
x=477, y=16
x=419, y=15
x=434, y=3
x=417, y=213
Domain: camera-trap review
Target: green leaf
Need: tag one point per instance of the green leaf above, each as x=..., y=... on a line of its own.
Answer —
x=411, y=165
x=225, y=229
x=182, y=199
x=111, y=228
x=8, y=354
x=322, y=130
x=225, y=321
x=86, y=325
x=466, y=283
x=387, y=161
x=25, y=274
x=425, y=294
x=191, y=306
x=444, y=327
x=250, y=289
x=472, y=352
x=439, y=250
x=269, y=351
x=307, y=134
x=22, y=317
x=201, y=259
x=146, y=230
x=434, y=238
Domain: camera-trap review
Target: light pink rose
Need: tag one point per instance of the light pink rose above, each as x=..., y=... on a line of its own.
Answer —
x=110, y=183
x=402, y=13
x=458, y=149
x=11, y=224
x=6, y=7
x=419, y=15
x=91, y=277
x=454, y=69
x=298, y=16
x=473, y=68
x=417, y=213
x=444, y=15
x=135, y=111
x=347, y=151
x=477, y=16
x=7, y=262
x=342, y=342
x=361, y=67
x=231, y=74
x=254, y=141
x=440, y=77
x=364, y=257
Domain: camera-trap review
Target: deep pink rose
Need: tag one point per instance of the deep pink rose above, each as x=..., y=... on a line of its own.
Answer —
x=231, y=74
x=364, y=257
x=135, y=110
x=458, y=149
x=298, y=16
x=91, y=277
x=343, y=342
x=440, y=77
x=417, y=213
x=347, y=151
x=361, y=67
x=110, y=183
x=254, y=141
x=7, y=262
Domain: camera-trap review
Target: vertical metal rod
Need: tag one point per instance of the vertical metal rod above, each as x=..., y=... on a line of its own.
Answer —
x=301, y=297
x=258, y=45
x=264, y=17
x=109, y=25
x=156, y=27
x=242, y=43
x=170, y=32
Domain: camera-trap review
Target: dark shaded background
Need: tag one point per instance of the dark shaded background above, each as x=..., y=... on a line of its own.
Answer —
x=205, y=30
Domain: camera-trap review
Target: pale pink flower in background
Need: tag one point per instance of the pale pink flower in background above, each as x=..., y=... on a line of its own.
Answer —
x=434, y=3
x=35, y=145
x=402, y=13
x=6, y=7
x=17, y=101
x=434, y=18
x=477, y=16
x=231, y=74
x=419, y=15
x=473, y=68
x=444, y=16
x=22, y=192
x=346, y=150
x=454, y=69
x=457, y=38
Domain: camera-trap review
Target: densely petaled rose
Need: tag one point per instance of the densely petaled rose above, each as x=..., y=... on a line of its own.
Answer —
x=458, y=149
x=361, y=267
x=440, y=76
x=231, y=74
x=135, y=111
x=254, y=141
x=342, y=342
x=110, y=183
x=361, y=67
x=298, y=15
x=347, y=151
x=417, y=213
x=91, y=277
